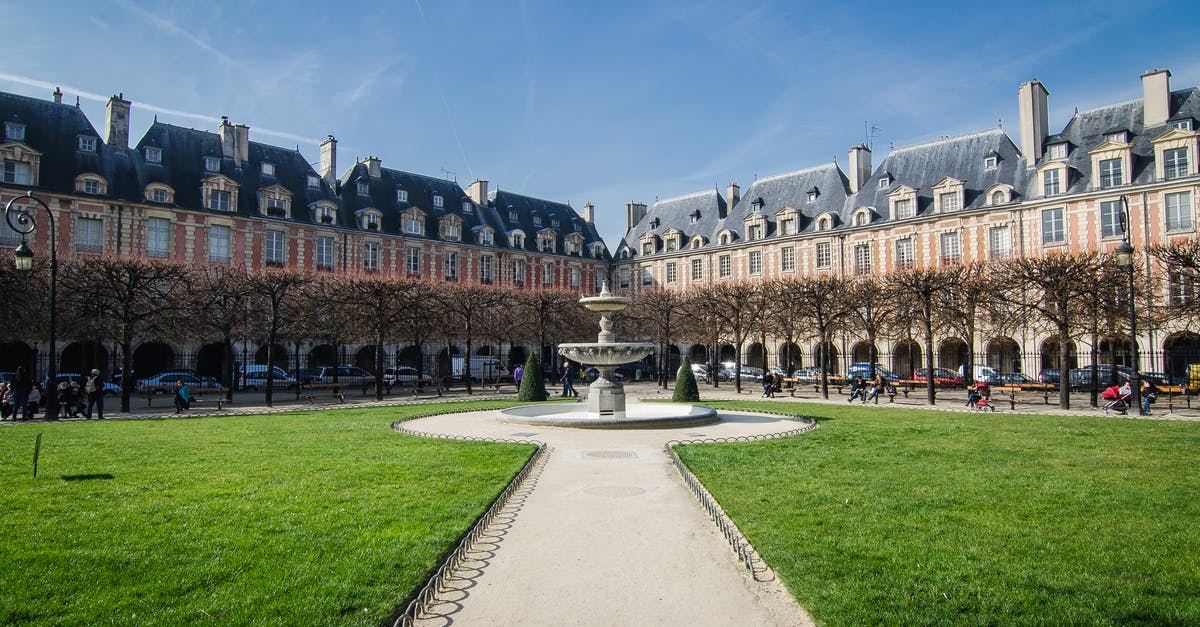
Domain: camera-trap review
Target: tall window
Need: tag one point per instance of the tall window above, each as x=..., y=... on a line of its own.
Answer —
x=401, y=195
x=672, y=272
x=485, y=237
x=158, y=234
x=904, y=209
x=824, y=257
x=949, y=201
x=623, y=278
x=1053, y=227
x=324, y=253
x=904, y=253
x=574, y=277
x=412, y=225
x=724, y=266
x=1051, y=185
x=999, y=243
x=598, y=280
x=1110, y=219
x=547, y=274
x=951, y=249
x=1179, y=211
x=218, y=243
x=219, y=200
x=412, y=261
x=1181, y=287
x=452, y=231
x=755, y=232
x=89, y=237
x=451, y=266
x=787, y=226
x=647, y=277
x=273, y=247
x=1175, y=163
x=371, y=257
x=862, y=259
x=787, y=259
x=518, y=275
x=697, y=270
x=485, y=269
x=755, y=262
x=17, y=173
x=1110, y=173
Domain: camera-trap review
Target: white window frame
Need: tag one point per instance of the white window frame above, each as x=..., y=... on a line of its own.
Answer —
x=823, y=255
x=313, y=181
x=438, y=201
x=754, y=262
x=1178, y=211
x=1175, y=163
x=412, y=261
x=267, y=168
x=574, y=277
x=1051, y=182
x=87, y=143
x=1054, y=226
x=274, y=246
x=370, y=256
x=14, y=131
x=158, y=194
x=547, y=274
x=950, y=248
x=862, y=259
x=212, y=164
x=1110, y=219
x=158, y=237
x=724, y=266
x=153, y=154
x=18, y=172
x=787, y=259
x=362, y=188
x=697, y=270
x=219, y=236
x=518, y=272
x=401, y=194
x=904, y=208
x=323, y=252
x=413, y=224
x=672, y=272
x=220, y=200
x=450, y=265
x=91, y=186
x=905, y=253
x=485, y=269
x=1057, y=151
x=999, y=243
x=1111, y=172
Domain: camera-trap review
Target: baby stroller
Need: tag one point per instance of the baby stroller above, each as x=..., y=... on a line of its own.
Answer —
x=980, y=398
x=1118, y=399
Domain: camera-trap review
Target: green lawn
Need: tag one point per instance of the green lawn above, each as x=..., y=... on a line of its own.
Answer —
x=301, y=518
x=921, y=517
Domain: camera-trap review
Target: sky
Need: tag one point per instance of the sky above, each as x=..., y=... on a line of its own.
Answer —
x=607, y=102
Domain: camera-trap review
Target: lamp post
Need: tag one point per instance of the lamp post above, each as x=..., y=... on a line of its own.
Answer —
x=1125, y=261
x=19, y=219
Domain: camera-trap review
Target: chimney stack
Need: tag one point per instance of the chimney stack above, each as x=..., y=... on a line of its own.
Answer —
x=1031, y=109
x=860, y=167
x=733, y=194
x=589, y=212
x=329, y=159
x=634, y=212
x=225, y=130
x=477, y=191
x=117, y=120
x=243, y=144
x=1156, y=97
x=57, y=95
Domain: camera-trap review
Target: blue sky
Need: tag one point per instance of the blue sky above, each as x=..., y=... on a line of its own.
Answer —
x=601, y=101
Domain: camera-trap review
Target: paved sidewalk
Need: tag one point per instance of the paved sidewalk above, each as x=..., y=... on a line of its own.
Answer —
x=610, y=535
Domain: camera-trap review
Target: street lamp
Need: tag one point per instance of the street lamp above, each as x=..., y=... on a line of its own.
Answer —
x=1124, y=254
x=20, y=220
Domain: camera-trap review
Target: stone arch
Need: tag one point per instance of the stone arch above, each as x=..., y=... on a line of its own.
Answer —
x=756, y=355
x=1004, y=354
x=788, y=356
x=861, y=352
x=152, y=358
x=13, y=354
x=1114, y=350
x=1049, y=359
x=698, y=354
x=907, y=356
x=517, y=357
x=365, y=358
x=1180, y=350
x=322, y=355
x=674, y=360
x=279, y=356
x=952, y=354
x=210, y=361
x=727, y=353
x=443, y=359
x=826, y=355
x=82, y=356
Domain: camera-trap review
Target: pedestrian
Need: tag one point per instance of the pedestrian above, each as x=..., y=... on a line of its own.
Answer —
x=518, y=372
x=768, y=384
x=95, y=394
x=6, y=401
x=858, y=389
x=21, y=386
x=879, y=386
x=183, y=397
x=568, y=380
x=1149, y=394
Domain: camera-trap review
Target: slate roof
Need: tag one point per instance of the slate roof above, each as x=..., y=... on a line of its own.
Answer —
x=527, y=208
x=1087, y=129
x=421, y=190
x=791, y=190
x=53, y=129
x=708, y=205
x=923, y=165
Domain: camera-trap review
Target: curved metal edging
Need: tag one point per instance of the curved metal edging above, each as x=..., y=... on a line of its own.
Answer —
x=437, y=581
x=745, y=552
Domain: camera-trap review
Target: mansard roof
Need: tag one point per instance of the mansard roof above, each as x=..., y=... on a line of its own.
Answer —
x=676, y=213
x=921, y=166
x=420, y=190
x=791, y=190
x=503, y=203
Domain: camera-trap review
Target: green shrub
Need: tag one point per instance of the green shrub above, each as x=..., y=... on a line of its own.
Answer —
x=533, y=388
x=686, y=390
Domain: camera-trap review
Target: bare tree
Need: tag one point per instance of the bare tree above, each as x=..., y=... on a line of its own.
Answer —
x=274, y=291
x=734, y=308
x=465, y=306
x=217, y=302
x=872, y=311
x=656, y=314
x=923, y=290
x=698, y=325
x=823, y=304
x=381, y=309
x=963, y=307
x=1181, y=260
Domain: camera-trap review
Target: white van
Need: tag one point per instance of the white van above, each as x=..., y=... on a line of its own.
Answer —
x=483, y=367
x=980, y=373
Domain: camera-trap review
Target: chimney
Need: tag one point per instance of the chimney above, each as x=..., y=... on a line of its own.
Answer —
x=228, y=141
x=634, y=212
x=589, y=212
x=733, y=194
x=1031, y=109
x=329, y=159
x=117, y=120
x=243, y=143
x=860, y=167
x=373, y=169
x=57, y=96
x=477, y=191
x=1156, y=97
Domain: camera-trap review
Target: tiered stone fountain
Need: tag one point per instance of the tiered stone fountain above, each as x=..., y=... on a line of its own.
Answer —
x=606, y=396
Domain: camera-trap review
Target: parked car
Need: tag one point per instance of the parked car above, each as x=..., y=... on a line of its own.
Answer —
x=941, y=376
x=636, y=371
x=254, y=377
x=399, y=374
x=162, y=383
x=748, y=373
x=809, y=374
x=1012, y=378
x=978, y=373
x=590, y=374
x=1049, y=375
x=1081, y=378
x=863, y=369
x=349, y=375
x=303, y=375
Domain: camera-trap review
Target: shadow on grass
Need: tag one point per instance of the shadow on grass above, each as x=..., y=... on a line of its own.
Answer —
x=99, y=475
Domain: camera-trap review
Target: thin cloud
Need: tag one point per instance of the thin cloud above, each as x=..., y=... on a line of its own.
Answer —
x=171, y=29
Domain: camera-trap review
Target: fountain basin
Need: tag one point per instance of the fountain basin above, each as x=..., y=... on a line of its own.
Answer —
x=607, y=354
x=646, y=416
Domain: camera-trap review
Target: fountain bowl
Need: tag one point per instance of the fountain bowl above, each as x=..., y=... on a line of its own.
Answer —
x=610, y=354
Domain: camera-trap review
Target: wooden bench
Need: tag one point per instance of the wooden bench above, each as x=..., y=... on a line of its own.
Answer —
x=504, y=379
x=198, y=395
x=904, y=386
x=1171, y=391
x=438, y=384
x=310, y=391
x=834, y=382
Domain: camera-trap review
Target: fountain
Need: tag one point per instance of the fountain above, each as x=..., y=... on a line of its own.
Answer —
x=606, y=396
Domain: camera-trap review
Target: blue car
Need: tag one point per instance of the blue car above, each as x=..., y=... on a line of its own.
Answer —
x=863, y=369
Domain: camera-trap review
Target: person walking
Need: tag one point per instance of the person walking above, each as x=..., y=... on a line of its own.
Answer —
x=518, y=372
x=1149, y=394
x=94, y=387
x=21, y=385
x=568, y=380
x=183, y=397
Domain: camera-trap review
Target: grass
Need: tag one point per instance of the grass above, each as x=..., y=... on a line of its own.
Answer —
x=928, y=517
x=299, y=518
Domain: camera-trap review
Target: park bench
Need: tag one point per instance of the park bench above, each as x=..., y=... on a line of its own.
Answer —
x=504, y=379
x=1171, y=391
x=904, y=386
x=437, y=384
x=310, y=391
x=834, y=382
x=201, y=396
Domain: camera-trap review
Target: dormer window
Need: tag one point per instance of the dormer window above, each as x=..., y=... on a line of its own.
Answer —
x=466, y=206
x=697, y=242
x=1058, y=151
x=1183, y=125
x=862, y=217
x=518, y=240
x=91, y=186
x=325, y=215
x=948, y=201
x=1116, y=136
x=401, y=195
x=554, y=223
x=268, y=169
x=1110, y=173
x=695, y=217
x=885, y=181
x=314, y=181
x=513, y=216
x=724, y=239
x=452, y=229
x=413, y=223
x=275, y=207
x=990, y=162
x=546, y=241
x=14, y=132
x=537, y=220
x=87, y=143
x=654, y=222
x=371, y=221
x=438, y=201
x=754, y=232
x=153, y=154
x=363, y=188
x=948, y=193
x=158, y=194
x=823, y=223
x=647, y=248
x=812, y=195
x=598, y=250
x=212, y=164
x=485, y=237
x=903, y=208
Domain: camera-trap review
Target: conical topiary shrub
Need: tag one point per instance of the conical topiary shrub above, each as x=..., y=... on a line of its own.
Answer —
x=686, y=390
x=533, y=388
